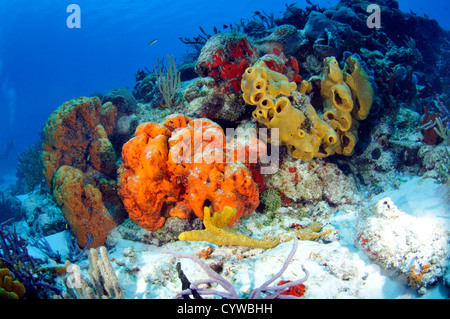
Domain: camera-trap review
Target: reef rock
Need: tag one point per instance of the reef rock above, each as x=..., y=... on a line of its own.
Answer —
x=317, y=25
x=123, y=99
x=224, y=58
x=43, y=212
x=417, y=248
x=310, y=182
x=172, y=228
x=209, y=102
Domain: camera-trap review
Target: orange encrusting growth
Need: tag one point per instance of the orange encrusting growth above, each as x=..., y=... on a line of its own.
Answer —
x=178, y=167
x=415, y=279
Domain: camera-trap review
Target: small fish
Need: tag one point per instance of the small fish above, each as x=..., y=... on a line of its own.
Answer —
x=152, y=42
x=256, y=13
x=225, y=26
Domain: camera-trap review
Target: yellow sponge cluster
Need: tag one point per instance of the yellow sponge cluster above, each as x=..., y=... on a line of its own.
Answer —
x=347, y=98
x=305, y=134
x=9, y=288
x=300, y=128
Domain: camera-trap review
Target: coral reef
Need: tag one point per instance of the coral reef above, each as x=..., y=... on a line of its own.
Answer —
x=80, y=167
x=159, y=155
x=178, y=167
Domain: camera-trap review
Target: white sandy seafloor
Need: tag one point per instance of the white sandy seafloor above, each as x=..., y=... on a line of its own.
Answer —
x=337, y=268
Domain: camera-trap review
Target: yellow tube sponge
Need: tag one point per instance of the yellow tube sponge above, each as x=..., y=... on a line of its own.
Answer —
x=338, y=119
x=348, y=140
x=337, y=96
x=361, y=88
x=217, y=231
x=348, y=96
x=307, y=136
x=331, y=75
x=305, y=87
x=341, y=96
x=260, y=81
x=328, y=140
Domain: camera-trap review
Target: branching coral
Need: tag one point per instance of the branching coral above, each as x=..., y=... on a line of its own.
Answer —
x=442, y=130
x=217, y=231
x=103, y=280
x=168, y=82
x=22, y=267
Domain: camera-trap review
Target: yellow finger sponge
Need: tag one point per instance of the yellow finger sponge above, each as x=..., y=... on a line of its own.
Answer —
x=217, y=231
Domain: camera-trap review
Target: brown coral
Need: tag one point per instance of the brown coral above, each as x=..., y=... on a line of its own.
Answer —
x=82, y=206
x=80, y=167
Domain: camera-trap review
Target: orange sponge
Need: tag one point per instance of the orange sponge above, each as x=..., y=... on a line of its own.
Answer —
x=178, y=167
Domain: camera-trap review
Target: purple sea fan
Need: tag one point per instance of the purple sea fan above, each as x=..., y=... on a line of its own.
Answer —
x=271, y=292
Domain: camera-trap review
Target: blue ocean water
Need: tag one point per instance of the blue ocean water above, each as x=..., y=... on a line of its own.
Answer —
x=43, y=63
